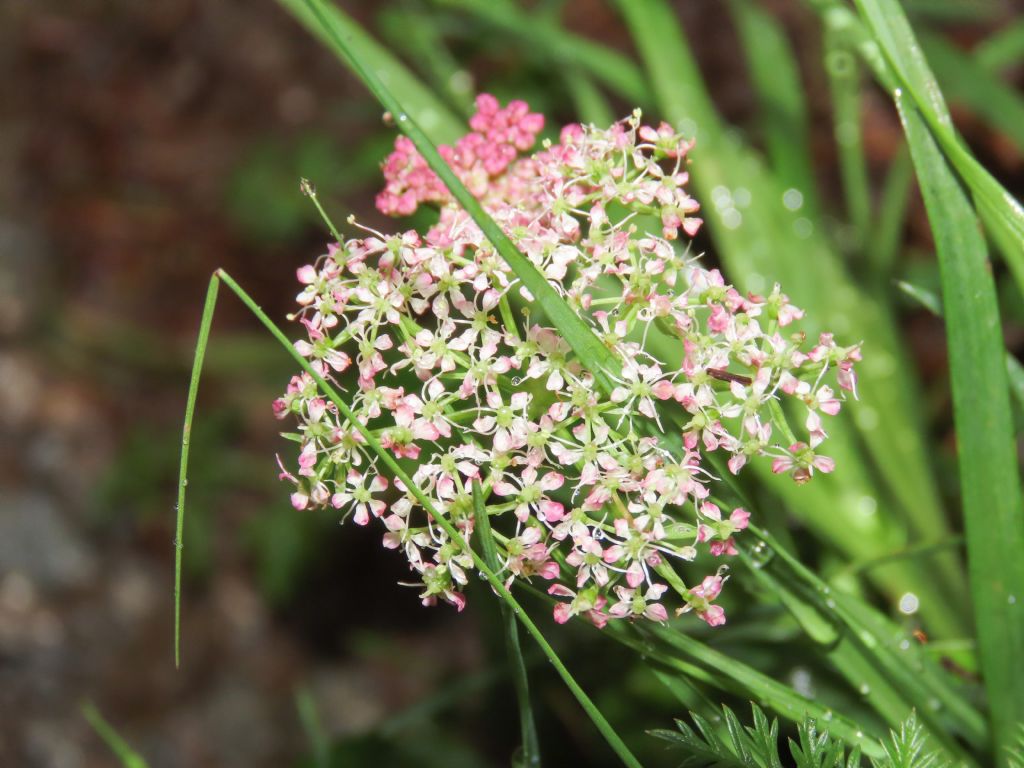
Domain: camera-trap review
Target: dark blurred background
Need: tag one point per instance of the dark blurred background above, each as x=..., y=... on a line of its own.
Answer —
x=142, y=145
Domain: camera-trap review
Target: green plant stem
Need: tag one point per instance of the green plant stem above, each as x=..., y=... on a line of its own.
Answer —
x=190, y=407
x=520, y=680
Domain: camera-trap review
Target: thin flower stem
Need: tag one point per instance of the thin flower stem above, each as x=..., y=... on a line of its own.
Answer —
x=310, y=191
x=527, y=726
x=605, y=728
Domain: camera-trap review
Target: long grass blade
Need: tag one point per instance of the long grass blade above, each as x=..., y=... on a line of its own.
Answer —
x=190, y=406
x=520, y=680
x=595, y=715
x=989, y=478
x=331, y=26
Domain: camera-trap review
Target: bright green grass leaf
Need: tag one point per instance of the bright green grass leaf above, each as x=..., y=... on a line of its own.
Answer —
x=1004, y=48
x=775, y=76
x=970, y=84
x=989, y=478
x=527, y=726
x=126, y=756
x=334, y=26
x=766, y=241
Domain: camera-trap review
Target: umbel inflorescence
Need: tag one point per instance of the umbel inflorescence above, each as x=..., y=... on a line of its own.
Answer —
x=594, y=489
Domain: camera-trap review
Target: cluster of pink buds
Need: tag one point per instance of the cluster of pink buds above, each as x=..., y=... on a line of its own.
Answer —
x=596, y=488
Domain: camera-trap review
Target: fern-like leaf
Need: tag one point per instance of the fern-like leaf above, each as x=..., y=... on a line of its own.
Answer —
x=909, y=748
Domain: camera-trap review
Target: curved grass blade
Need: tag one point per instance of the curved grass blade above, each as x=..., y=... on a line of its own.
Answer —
x=527, y=726
x=1000, y=212
x=331, y=26
x=190, y=406
x=598, y=719
x=990, y=483
x=592, y=353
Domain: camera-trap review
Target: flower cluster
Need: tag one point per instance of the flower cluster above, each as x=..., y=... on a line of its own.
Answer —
x=596, y=488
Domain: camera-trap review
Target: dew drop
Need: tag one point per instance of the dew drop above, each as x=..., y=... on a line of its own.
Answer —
x=934, y=704
x=481, y=575
x=904, y=645
x=793, y=199
x=184, y=482
x=827, y=716
x=830, y=603
x=761, y=555
x=864, y=689
x=402, y=118
x=909, y=603
x=1012, y=599
x=859, y=734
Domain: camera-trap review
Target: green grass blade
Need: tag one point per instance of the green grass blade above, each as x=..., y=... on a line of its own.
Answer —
x=1005, y=48
x=684, y=655
x=970, y=84
x=879, y=647
x=190, y=406
x=844, y=77
x=609, y=67
x=887, y=233
x=592, y=353
x=127, y=756
x=989, y=478
x=1000, y=212
x=598, y=719
x=331, y=26
x=775, y=76
x=527, y=725
x=770, y=242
